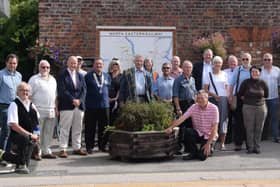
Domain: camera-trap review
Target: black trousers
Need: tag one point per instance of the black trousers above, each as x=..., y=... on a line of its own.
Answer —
x=239, y=133
x=192, y=138
x=95, y=118
x=184, y=105
x=23, y=148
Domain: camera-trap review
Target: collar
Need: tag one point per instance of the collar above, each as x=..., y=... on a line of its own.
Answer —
x=10, y=73
x=139, y=70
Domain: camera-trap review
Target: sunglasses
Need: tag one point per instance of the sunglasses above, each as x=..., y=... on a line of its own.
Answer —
x=266, y=59
x=166, y=68
x=243, y=59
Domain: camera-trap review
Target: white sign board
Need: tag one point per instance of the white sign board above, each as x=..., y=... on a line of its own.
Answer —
x=124, y=45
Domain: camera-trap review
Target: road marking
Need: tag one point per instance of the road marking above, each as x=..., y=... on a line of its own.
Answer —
x=236, y=183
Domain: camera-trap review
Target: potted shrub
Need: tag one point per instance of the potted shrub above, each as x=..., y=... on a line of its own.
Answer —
x=138, y=131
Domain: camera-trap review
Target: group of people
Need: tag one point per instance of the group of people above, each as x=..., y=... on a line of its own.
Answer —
x=94, y=99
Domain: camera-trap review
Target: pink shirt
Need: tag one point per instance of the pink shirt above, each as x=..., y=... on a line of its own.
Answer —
x=203, y=119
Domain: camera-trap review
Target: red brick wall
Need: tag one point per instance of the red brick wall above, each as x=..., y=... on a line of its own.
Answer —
x=247, y=25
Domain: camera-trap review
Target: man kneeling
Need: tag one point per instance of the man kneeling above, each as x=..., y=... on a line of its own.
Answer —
x=205, y=119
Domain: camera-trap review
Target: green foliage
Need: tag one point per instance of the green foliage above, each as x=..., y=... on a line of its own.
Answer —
x=19, y=32
x=145, y=116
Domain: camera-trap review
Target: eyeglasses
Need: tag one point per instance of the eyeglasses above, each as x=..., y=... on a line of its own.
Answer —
x=266, y=59
x=45, y=67
x=243, y=59
x=166, y=68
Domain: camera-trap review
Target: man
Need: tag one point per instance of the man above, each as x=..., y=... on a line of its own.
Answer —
x=184, y=89
x=9, y=80
x=175, y=70
x=271, y=75
x=232, y=64
x=71, y=97
x=163, y=85
x=44, y=86
x=23, y=119
x=80, y=64
x=201, y=69
x=97, y=105
x=205, y=118
x=239, y=75
x=183, y=96
x=135, y=84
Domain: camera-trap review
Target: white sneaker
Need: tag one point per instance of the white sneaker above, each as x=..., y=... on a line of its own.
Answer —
x=22, y=169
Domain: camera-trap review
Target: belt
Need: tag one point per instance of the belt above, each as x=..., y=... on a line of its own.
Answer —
x=4, y=104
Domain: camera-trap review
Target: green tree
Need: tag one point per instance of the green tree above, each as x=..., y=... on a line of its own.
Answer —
x=19, y=32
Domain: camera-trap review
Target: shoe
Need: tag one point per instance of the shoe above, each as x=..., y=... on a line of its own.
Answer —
x=5, y=164
x=22, y=169
x=189, y=157
x=223, y=148
x=249, y=152
x=89, y=151
x=36, y=157
x=276, y=140
x=238, y=148
x=80, y=152
x=256, y=151
x=63, y=154
x=49, y=156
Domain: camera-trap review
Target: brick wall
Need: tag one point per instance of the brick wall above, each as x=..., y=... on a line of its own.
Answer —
x=247, y=25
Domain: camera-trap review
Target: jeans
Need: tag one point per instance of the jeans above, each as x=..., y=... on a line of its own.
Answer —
x=272, y=117
x=5, y=129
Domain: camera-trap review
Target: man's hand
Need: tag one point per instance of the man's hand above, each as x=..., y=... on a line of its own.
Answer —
x=168, y=130
x=76, y=102
x=207, y=149
x=35, y=137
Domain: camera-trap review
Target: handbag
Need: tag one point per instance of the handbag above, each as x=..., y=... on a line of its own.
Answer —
x=233, y=104
x=212, y=99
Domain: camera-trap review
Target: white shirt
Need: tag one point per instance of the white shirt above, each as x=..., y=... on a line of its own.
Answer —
x=206, y=69
x=221, y=82
x=73, y=76
x=272, y=80
x=43, y=94
x=13, y=111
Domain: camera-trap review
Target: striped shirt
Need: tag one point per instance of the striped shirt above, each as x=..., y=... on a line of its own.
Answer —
x=203, y=119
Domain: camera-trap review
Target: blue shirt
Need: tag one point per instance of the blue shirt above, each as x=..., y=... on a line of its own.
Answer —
x=184, y=88
x=97, y=95
x=163, y=87
x=8, y=85
x=244, y=74
x=140, y=81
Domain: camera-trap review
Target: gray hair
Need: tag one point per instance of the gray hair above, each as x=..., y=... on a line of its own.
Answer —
x=217, y=59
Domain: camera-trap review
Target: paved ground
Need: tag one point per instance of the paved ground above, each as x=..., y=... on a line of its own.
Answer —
x=225, y=168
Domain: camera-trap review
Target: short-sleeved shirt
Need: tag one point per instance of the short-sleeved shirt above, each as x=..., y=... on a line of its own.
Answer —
x=13, y=111
x=184, y=88
x=163, y=87
x=8, y=85
x=221, y=82
x=203, y=120
x=244, y=74
x=272, y=79
x=43, y=88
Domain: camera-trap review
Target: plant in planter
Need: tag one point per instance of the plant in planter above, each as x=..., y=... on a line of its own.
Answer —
x=139, y=131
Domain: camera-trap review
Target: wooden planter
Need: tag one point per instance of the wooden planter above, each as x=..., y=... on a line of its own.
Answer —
x=139, y=144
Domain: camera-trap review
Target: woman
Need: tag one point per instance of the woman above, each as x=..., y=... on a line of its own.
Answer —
x=253, y=92
x=216, y=84
x=115, y=74
x=148, y=66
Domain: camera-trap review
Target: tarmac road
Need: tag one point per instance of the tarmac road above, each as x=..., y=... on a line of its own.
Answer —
x=225, y=168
